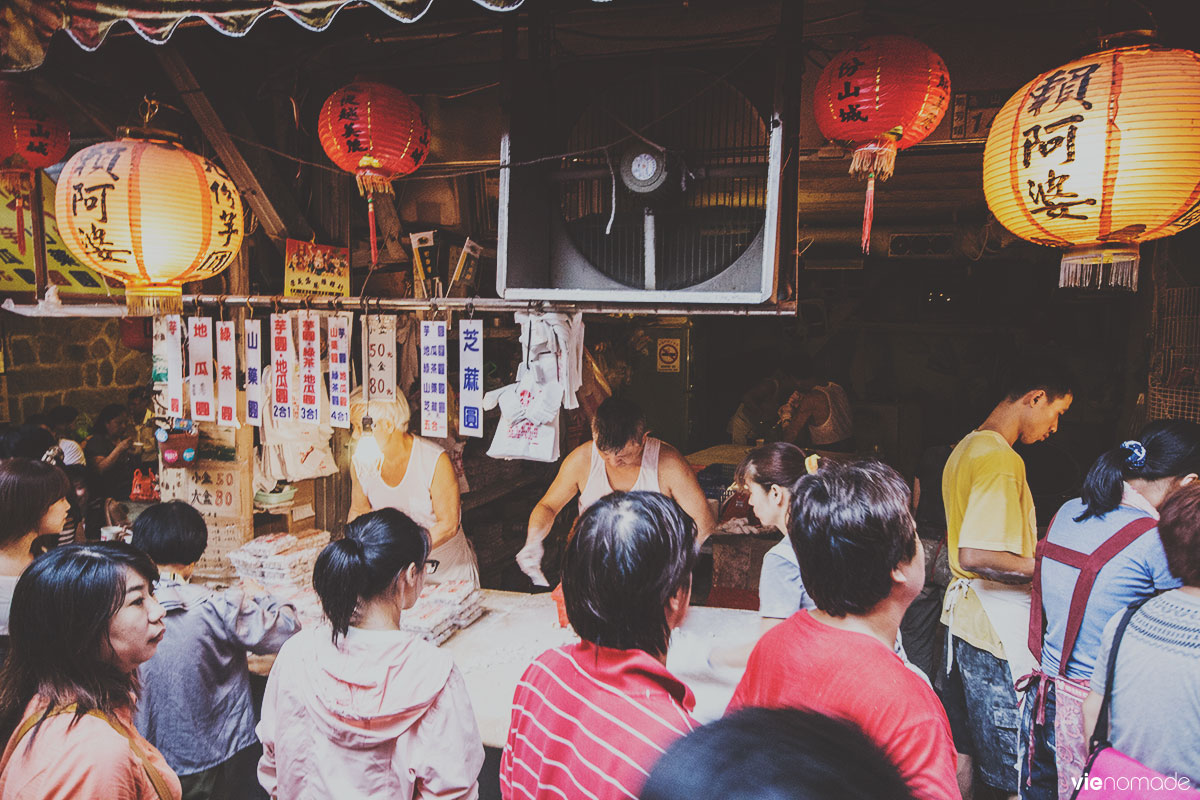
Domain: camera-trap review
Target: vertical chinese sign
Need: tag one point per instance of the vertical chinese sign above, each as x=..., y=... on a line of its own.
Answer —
x=200, y=367
x=174, y=348
x=379, y=356
x=470, y=377
x=252, y=341
x=339, y=370
x=433, y=380
x=226, y=375
x=281, y=368
x=310, y=367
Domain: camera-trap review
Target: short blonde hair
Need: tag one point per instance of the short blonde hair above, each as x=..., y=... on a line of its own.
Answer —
x=394, y=411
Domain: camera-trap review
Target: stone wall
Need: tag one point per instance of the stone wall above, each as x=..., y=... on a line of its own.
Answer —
x=78, y=362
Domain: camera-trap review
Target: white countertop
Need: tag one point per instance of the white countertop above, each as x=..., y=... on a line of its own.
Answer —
x=493, y=653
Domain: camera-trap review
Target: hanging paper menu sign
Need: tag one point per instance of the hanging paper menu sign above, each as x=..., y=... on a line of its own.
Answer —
x=339, y=371
x=379, y=354
x=281, y=367
x=470, y=377
x=253, y=351
x=200, y=367
x=226, y=376
x=310, y=367
x=174, y=347
x=433, y=379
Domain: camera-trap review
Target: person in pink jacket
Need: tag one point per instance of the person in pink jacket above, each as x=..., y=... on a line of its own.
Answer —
x=359, y=708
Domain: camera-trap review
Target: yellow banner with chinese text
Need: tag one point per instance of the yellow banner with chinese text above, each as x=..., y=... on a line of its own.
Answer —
x=63, y=270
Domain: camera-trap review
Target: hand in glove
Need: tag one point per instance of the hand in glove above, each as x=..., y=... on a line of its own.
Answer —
x=529, y=559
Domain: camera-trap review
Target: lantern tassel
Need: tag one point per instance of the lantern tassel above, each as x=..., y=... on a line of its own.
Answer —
x=868, y=213
x=371, y=227
x=876, y=158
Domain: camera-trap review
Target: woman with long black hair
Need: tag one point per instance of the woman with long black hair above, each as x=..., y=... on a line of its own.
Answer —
x=358, y=707
x=1101, y=553
x=34, y=501
x=84, y=618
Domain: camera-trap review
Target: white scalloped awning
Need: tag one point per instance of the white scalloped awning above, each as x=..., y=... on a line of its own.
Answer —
x=27, y=25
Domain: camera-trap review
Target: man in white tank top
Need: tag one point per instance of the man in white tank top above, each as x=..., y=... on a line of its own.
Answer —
x=620, y=458
x=821, y=411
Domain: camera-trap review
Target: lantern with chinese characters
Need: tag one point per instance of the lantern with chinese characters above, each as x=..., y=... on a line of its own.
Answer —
x=376, y=132
x=879, y=97
x=150, y=214
x=1097, y=156
x=33, y=136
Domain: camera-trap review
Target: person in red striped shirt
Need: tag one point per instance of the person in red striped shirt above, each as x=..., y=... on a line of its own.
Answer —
x=590, y=720
x=861, y=563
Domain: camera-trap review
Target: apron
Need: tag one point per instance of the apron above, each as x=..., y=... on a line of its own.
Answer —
x=1007, y=608
x=1071, y=745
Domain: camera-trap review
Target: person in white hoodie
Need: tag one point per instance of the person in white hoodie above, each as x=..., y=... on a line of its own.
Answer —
x=359, y=708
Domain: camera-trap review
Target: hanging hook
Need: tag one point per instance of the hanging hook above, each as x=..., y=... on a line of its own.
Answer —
x=249, y=308
x=221, y=307
x=470, y=310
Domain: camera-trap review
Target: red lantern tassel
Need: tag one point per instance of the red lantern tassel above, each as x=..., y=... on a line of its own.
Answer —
x=21, y=224
x=868, y=213
x=371, y=225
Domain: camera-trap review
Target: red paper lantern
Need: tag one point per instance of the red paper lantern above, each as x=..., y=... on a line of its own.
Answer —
x=879, y=97
x=32, y=136
x=378, y=133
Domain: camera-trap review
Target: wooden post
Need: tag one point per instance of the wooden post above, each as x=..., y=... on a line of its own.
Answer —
x=40, y=276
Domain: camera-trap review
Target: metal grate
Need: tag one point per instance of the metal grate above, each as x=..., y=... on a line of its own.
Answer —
x=1178, y=319
x=715, y=205
x=1175, y=385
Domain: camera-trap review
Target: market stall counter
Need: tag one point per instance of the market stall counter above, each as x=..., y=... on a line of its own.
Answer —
x=493, y=652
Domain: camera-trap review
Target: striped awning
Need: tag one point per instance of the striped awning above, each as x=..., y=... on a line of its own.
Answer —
x=27, y=25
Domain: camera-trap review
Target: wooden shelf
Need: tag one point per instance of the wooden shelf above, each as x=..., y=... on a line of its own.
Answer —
x=481, y=497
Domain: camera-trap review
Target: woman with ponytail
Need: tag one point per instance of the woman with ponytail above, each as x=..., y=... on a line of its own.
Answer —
x=359, y=708
x=1101, y=553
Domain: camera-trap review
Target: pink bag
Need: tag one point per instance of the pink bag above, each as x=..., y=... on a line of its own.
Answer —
x=1112, y=775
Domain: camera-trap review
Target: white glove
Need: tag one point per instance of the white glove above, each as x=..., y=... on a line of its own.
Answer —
x=529, y=559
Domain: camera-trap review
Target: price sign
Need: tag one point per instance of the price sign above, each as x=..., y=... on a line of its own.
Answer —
x=379, y=356
x=174, y=348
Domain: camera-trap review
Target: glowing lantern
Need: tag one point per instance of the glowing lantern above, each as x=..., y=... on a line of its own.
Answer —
x=33, y=136
x=885, y=94
x=376, y=132
x=151, y=214
x=1097, y=156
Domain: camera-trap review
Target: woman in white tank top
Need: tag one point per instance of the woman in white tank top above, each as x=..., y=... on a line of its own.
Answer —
x=419, y=491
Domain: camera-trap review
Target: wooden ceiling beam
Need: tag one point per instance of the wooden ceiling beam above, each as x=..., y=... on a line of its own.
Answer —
x=274, y=211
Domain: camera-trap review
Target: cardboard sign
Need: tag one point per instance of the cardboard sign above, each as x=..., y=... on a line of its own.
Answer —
x=379, y=354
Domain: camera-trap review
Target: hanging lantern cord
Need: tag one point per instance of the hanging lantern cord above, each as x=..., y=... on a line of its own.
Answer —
x=868, y=213
x=371, y=229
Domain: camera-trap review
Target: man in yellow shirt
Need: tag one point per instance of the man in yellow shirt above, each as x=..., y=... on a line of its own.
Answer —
x=991, y=533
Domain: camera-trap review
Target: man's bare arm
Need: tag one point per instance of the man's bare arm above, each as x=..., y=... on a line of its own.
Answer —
x=996, y=565
x=678, y=480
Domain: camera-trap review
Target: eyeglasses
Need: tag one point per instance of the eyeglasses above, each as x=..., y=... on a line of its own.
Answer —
x=431, y=565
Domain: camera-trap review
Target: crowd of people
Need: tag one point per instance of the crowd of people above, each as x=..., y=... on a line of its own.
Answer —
x=123, y=679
